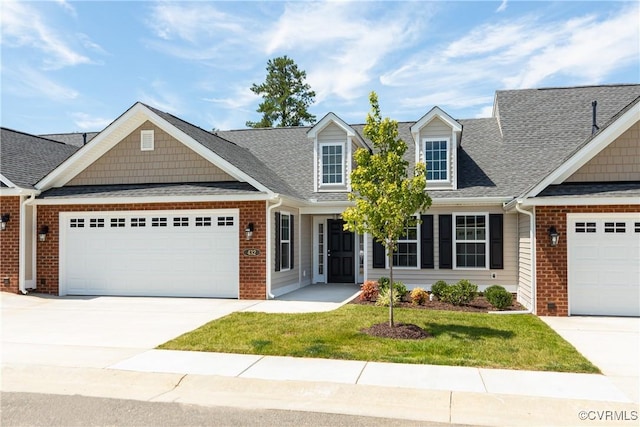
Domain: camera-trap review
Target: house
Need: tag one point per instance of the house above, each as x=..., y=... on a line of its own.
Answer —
x=542, y=198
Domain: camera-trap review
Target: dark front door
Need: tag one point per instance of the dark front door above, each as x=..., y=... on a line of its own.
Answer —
x=340, y=253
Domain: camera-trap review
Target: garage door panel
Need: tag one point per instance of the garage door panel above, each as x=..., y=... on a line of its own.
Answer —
x=604, y=264
x=189, y=256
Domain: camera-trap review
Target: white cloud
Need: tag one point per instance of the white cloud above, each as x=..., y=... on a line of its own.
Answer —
x=240, y=98
x=68, y=8
x=502, y=7
x=162, y=98
x=85, y=121
x=27, y=82
x=345, y=41
x=22, y=26
x=193, y=22
x=524, y=53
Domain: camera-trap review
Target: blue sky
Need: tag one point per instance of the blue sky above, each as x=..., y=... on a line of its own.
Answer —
x=76, y=66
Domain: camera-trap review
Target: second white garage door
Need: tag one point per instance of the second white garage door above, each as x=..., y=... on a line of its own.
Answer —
x=150, y=253
x=604, y=264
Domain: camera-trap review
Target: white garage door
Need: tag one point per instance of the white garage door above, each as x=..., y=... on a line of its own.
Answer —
x=604, y=264
x=150, y=253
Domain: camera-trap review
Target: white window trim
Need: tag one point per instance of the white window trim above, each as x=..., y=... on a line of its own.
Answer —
x=282, y=215
x=144, y=133
x=424, y=157
x=486, y=240
x=418, y=253
x=319, y=163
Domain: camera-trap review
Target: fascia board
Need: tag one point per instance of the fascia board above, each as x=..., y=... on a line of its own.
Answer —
x=91, y=152
x=470, y=201
x=433, y=113
x=150, y=199
x=6, y=181
x=581, y=201
x=205, y=152
x=326, y=120
x=589, y=151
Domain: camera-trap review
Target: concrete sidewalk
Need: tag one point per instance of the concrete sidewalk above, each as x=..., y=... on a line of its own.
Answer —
x=104, y=347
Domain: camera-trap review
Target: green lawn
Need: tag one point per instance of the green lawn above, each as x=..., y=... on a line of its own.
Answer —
x=518, y=341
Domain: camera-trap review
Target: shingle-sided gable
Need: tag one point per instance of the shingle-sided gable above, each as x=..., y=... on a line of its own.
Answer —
x=25, y=158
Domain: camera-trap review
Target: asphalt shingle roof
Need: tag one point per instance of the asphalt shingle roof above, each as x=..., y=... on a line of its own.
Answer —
x=25, y=159
x=75, y=138
x=150, y=190
x=537, y=129
x=593, y=189
x=238, y=156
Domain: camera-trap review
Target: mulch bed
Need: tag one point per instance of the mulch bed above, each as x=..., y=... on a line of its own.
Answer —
x=413, y=332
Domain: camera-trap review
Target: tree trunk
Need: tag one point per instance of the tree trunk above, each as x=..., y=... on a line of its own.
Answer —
x=391, y=288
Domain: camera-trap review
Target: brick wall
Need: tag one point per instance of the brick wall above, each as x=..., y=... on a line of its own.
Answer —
x=551, y=262
x=10, y=244
x=252, y=269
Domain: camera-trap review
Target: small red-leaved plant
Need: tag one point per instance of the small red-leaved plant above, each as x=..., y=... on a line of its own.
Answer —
x=369, y=291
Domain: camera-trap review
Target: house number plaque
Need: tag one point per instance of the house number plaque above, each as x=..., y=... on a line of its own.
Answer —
x=251, y=252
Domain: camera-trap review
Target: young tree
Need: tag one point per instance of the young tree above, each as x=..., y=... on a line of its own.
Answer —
x=386, y=197
x=286, y=96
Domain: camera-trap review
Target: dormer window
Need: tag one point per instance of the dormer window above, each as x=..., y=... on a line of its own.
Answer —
x=332, y=158
x=436, y=156
x=334, y=143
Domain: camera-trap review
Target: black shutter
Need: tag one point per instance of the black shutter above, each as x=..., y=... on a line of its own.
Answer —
x=278, y=246
x=426, y=241
x=378, y=255
x=292, y=232
x=445, y=230
x=496, y=238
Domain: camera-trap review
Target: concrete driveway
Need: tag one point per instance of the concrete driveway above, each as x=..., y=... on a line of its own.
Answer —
x=610, y=343
x=98, y=331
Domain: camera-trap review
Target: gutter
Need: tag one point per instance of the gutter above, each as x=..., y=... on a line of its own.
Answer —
x=22, y=256
x=532, y=229
x=268, y=243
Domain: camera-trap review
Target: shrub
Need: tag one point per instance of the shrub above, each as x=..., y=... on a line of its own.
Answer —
x=438, y=288
x=461, y=293
x=384, y=298
x=399, y=288
x=383, y=283
x=498, y=297
x=369, y=291
x=418, y=296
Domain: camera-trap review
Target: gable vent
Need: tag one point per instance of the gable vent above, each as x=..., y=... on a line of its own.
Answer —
x=146, y=140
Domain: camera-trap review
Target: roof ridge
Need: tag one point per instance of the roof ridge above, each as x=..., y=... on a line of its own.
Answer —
x=33, y=136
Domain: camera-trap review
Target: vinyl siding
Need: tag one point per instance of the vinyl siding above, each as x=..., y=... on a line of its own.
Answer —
x=282, y=279
x=333, y=134
x=439, y=129
x=170, y=161
x=525, y=275
x=617, y=162
x=507, y=277
x=306, y=249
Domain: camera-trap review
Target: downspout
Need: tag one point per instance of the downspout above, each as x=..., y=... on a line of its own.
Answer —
x=268, y=243
x=22, y=256
x=532, y=231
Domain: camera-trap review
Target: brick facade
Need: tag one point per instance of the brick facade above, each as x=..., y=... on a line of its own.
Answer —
x=10, y=245
x=252, y=269
x=551, y=262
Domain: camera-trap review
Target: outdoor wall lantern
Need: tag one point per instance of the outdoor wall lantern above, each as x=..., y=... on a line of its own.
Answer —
x=249, y=231
x=42, y=234
x=4, y=219
x=554, y=236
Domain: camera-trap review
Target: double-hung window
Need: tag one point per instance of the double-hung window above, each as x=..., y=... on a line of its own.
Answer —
x=406, y=254
x=436, y=157
x=471, y=241
x=285, y=241
x=332, y=164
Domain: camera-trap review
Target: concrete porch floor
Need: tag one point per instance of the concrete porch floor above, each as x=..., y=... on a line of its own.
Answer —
x=323, y=292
